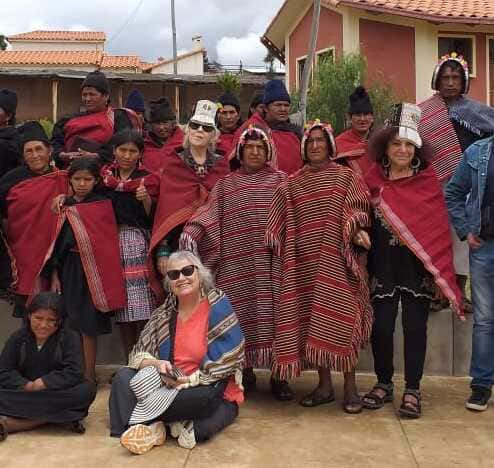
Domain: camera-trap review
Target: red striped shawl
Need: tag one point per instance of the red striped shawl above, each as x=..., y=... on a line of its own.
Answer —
x=436, y=128
x=229, y=234
x=323, y=316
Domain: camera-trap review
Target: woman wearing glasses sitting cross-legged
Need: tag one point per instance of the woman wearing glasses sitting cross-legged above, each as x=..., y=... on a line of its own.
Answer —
x=186, y=369
x=188, y=175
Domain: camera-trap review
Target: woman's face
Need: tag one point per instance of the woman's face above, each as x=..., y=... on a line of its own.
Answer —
x=199, y=137
x=43, y=323
x=127, y=156
x=4, y=117
x=93, y=100
x=37, y=156
x=83, y=183
x=184, y=285
x=400, y=153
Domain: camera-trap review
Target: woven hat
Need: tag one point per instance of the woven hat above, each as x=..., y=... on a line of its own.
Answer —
x=406, y=117
x=360, y=102
x=153, y=399
x=229, y=99
x=205, y=113
x=261, y=134
x=33, y=131
x=98, y=80
x=275, y=90
x=135, y=101
x=443, y=61
x=8, y=101
x=161, y=111
x=326, y=128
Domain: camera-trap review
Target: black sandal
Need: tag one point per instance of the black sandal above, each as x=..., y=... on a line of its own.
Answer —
x=249, y=379
x=352, y=405
x=281, y=390
x=409, y=409
x=315, y=398
x=376, y=401
x=77, y=427
x=4, y=432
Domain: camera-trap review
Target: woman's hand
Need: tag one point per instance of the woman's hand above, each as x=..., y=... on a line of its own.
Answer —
x=162, y=263
x=474, y=242
x=142, y=193
x=362, y=239
x=35, y=386
x=56, y=284
x=164, y=367
x=57, y=203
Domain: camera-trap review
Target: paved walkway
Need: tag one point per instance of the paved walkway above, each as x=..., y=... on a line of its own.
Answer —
x=273, y=434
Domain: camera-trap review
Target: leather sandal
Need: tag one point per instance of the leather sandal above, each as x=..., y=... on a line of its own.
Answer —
x=4, y=432
x=409, y=409
x=315, y=398
x=281, y=390
x=373, y=400
x=77, y=427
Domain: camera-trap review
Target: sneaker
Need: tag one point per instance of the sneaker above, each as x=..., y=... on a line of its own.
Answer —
x=478, y=399
x=140, y=438
x=187, y=438
x=176, y=428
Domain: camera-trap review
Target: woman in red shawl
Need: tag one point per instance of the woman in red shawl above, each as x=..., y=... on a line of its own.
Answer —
x=25, y=192
x=87, y=133
x=411, y=254
x=189, y=174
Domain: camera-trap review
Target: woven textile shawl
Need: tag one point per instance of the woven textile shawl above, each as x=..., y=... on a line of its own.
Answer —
x=353, y=150
x=225, y=353
x=323, y=316
x=436, y=128
x=228, y=234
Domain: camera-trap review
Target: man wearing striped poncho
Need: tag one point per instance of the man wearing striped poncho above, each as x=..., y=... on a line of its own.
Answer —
x=228, y=234
x=315, y=226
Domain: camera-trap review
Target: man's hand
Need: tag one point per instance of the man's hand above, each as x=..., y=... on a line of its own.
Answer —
x=474, y=242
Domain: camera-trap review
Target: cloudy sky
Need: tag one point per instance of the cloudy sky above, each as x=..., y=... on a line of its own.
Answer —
x=230, y=28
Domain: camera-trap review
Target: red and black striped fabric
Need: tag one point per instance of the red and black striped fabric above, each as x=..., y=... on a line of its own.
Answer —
x=228, y=234
x=436, y=128
x=323, y=316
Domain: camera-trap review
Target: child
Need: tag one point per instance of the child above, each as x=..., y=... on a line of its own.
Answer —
x=85, y=263
x=41, y=372
x=131, y=188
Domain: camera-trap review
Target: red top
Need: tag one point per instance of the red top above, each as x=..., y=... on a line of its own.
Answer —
x=191, y=347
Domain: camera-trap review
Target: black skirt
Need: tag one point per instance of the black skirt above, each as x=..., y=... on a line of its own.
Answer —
x=51, y=406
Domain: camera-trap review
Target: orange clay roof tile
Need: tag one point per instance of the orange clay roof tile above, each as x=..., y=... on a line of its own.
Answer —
x=91, y=36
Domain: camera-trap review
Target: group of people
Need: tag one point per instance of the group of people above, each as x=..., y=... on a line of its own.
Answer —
x=226, y=246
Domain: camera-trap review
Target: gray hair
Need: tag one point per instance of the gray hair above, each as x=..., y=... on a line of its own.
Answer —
x=212, y=143
x=205, y=277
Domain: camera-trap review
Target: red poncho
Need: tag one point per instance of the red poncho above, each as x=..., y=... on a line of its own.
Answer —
x=32, y=227
x=228, y=232
x=96, y=234
x=182, y=191
x=353, y=150
x=415, y=209
x=154, y=156
x=323, y=316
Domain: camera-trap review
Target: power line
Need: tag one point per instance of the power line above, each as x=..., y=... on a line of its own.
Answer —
x=127, y=21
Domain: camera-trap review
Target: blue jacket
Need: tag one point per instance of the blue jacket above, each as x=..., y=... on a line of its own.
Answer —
x=465, y=191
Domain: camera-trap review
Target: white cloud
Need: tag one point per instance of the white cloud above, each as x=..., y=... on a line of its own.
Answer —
x=248, y=49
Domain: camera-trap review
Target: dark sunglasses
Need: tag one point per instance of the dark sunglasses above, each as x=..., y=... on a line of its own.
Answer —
x=186, y=271
x=197, y=126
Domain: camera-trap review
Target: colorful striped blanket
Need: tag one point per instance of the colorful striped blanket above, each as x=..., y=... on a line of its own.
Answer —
x=228, y=234
x=323, y=316
x=225, y=353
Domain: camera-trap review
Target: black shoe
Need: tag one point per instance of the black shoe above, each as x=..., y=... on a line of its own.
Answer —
x=478, y=399
x=77, y=427
x=281, y=390
x=249, y=380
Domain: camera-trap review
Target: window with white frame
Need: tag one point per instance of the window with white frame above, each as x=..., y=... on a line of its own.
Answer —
x=300, y=69
x=461, y=44
x=325, y=54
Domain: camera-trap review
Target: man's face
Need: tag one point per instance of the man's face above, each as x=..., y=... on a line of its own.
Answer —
x=317, y=147
x=93, y=100
x=450, y=83
x=254, y=156
x=277, y=111
x=361, y=123
x=228, y=118
x=163, y=130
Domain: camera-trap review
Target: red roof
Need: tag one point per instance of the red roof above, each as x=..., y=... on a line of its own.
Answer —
x=444, y=11
x=68, y=58
x=89, y=36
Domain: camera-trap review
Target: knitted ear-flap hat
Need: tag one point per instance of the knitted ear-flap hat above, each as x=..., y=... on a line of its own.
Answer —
x=451, y=58
x=327, y=129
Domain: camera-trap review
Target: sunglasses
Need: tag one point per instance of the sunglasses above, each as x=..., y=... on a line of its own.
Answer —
x=197, y=126
x=185, y=271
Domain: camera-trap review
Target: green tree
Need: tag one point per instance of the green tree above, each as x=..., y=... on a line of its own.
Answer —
x=333, y=82
x=269, y=61
x=3, y=42
x=229, y=82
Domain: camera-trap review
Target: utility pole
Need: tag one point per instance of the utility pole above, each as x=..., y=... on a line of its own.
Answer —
x=309, y=60
x=174, y=33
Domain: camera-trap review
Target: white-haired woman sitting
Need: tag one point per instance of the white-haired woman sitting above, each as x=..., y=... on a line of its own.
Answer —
x=195, y=343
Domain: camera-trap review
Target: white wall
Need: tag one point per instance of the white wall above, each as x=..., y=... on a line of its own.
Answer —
x=191, y=65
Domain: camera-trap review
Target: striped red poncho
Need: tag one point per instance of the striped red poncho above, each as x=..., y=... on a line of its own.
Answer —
x=323, y=316
x=229, y=235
